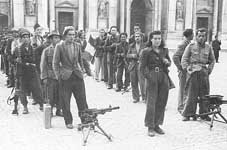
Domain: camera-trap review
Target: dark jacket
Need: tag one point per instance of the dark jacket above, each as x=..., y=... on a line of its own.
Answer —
x=110, y=43
x=150, y=60
x=133, y=61
x=121, y=53
x=63, y=65
x=99, y=47
x=27, y=59
x=216, y=45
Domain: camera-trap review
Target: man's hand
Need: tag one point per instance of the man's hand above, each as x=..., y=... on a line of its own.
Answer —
x=134, y=55
x=122, y=54
x=166, y=61
x=45, y=81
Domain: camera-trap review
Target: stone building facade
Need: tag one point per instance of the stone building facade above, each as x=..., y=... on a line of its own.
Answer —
x=170, y=16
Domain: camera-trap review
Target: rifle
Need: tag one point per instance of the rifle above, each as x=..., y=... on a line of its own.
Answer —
x=90, y=121
x=18, y=81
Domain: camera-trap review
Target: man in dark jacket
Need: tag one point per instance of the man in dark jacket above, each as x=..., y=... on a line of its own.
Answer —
x=121, y=62
x=110, y=46
x=68, y=68
x=216, y=47
x=24, y=57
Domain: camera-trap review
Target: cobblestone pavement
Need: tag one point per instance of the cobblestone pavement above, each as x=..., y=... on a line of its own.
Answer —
x=126, y=125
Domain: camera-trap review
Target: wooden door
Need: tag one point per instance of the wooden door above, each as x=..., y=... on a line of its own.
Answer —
x=64, y=19
x=138, y=14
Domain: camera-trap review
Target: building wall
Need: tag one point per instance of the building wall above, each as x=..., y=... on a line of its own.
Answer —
x=171, y=16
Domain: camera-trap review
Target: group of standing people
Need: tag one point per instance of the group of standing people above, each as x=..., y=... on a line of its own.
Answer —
x=47, y=68
x=144, y=62
x=195, y=61
x=52, y=68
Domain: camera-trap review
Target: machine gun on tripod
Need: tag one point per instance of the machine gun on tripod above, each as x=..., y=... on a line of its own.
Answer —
x=90, y=121
x=214, y=102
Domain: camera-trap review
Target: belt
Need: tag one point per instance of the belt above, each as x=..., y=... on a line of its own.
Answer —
x=157, y=69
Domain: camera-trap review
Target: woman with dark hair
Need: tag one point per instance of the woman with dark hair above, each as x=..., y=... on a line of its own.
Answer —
x=154, y=63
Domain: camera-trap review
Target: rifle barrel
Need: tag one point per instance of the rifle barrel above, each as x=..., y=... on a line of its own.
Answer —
x=224, y=101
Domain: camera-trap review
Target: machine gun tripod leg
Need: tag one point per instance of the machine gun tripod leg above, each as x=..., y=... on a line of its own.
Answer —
x=92, y=126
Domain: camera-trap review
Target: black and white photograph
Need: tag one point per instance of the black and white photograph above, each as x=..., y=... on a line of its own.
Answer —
x=113, y=74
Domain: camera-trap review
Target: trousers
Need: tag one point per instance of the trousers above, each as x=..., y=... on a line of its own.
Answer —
x=157, y=96
x=197, y=86
x=74, y=85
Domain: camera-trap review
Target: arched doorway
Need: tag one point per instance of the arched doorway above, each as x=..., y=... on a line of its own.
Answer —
x=141, y=13
x=4, y=21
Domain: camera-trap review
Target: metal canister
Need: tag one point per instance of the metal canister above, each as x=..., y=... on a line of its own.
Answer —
x=47, y=116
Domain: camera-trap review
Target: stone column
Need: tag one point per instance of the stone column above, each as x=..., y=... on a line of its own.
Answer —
x=52, y=14
x=224, y=26
x=128, y=16
x=42, y=13
x=188, y=13
x=172, y=15
x=18, y=6
x=93, y=13
x=122, y=15
x=81, y=14
x=112, y=13
x=215, y=18
x=157, y=10
x=194, y=15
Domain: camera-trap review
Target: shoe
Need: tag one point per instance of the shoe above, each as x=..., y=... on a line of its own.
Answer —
x=15, y=112
x=34, y=103
x=109, y=86
x=194, y=118
x=69, y=126
x=135, y=101
x=185, y=118
x=118, y=90
x=25, y=111
x=151, y=132
x=206, y=118
x=41, y=107
x=126, y=88
x=159, y=130
x=59, y=113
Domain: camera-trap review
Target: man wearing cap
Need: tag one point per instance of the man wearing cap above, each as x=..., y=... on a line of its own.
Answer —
x=47, y=73
x=68, y=68
x=23, y=55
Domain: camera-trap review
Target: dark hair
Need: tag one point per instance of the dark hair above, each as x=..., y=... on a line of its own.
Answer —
x=36, y=26
x=123, y=33
x=188, y=32
x=151, y=35
x=80, y=33
x=66, y=30
x=112, y=28
x=137, y=24
x=201, y=30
